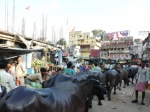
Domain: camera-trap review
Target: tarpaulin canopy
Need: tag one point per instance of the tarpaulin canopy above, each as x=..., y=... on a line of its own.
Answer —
x=11, y=52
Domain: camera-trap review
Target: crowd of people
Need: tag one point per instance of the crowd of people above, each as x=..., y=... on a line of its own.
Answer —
x=13, y=74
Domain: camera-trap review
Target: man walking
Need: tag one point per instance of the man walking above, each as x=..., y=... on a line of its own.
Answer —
x=142, y=78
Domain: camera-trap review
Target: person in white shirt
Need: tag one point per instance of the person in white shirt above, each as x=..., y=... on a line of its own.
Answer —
x=6, y=78
x=142, y=78
x=76, y=67
x=20, y=72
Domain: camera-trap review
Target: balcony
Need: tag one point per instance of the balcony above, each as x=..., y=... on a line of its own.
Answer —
x=120, y=51
x=80, y=38
x=114, y=47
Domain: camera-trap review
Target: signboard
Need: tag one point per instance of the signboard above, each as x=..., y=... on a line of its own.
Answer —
x=94, y=53
x=118, y=34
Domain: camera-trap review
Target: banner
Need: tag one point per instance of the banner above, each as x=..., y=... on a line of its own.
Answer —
x=117, y=35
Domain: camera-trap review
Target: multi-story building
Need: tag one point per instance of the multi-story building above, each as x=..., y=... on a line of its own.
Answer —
x=117, y=49
x=146, y=49
x=137, y=48
x=82, y=42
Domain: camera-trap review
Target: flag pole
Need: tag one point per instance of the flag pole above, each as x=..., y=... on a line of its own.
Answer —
x=7, y=15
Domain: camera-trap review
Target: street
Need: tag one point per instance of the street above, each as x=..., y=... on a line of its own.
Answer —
x=121, y=102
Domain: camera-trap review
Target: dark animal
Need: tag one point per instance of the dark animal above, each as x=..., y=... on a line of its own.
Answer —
x=96, y=74
x=123, y=76
x=111, y=79
x=99, y=90
x=54, y=79
x=132, y=71
x=62, y=97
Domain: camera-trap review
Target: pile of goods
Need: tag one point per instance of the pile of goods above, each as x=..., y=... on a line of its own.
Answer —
x=37, y=64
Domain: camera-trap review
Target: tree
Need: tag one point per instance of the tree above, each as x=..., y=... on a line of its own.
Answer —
x=62, y=42
x=97, y=32
x=100, y=33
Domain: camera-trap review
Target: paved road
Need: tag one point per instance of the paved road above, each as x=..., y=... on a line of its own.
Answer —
x=122, y=102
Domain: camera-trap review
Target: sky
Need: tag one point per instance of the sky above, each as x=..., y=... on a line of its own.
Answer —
x=84, y=15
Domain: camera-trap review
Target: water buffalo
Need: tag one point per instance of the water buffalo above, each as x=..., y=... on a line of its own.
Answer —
x=123, y=76
x=99, y=90
x=132, y=71
x=54, y=79
x=62, y=97
x=96, y=74
x=111, y=79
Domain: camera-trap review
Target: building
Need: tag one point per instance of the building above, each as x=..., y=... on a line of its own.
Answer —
x=137, y=48
x=146, y=49
x=117, y=49
x=81, y=43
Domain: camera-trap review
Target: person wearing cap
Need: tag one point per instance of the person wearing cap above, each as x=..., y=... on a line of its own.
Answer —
x=5, y=77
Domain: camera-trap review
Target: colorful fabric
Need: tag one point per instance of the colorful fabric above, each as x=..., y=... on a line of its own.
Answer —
x=140, y=86
x=97, y=68
x=83, y=69
x=68, y=71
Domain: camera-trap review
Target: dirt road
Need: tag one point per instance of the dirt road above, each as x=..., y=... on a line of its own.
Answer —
x=122, y=102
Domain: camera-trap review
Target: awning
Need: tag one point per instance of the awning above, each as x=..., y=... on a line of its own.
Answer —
x=26, y=42
x=11, y=52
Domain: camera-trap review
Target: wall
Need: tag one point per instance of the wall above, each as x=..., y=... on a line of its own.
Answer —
x=85, y=54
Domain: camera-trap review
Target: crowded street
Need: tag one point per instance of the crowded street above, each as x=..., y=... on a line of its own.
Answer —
x=75, y=56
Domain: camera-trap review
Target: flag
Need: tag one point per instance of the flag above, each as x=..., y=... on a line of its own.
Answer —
x=27, y=8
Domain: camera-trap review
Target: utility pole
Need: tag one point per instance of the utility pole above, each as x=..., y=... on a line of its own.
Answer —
x=6, y=15
x=13, y=17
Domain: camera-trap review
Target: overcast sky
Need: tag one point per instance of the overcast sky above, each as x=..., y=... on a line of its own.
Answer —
x=84, y=15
